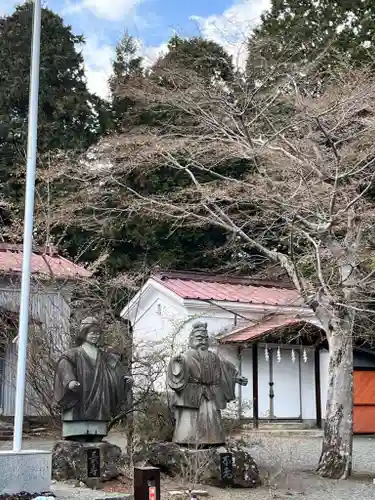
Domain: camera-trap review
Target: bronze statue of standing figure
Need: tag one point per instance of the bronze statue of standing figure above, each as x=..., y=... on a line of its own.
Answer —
x=90, y=386
x=203, y=383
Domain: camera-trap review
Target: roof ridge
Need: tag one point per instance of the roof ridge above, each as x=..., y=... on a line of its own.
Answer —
x=199, y=276
x=261, y=328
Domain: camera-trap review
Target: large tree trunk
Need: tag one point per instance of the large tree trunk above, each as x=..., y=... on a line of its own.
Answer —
x=336, y=458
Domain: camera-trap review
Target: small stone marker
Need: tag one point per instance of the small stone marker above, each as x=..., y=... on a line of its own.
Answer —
x=146, y=483
x=226, y=468
x=93, y=463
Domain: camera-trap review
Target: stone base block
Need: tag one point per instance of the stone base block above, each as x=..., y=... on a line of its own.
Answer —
x=71, y=460
x=206, y=466
x=93, y=431
x=25, y=471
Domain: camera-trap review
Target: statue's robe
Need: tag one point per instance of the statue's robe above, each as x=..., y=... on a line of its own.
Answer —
x=202, y=383
x=102, y=385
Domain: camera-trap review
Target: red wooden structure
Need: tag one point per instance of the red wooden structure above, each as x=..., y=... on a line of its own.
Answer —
x=364, y=401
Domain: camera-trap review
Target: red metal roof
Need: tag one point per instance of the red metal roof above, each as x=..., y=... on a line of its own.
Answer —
x=221, y=289
x=260, y=329
x=51, y=266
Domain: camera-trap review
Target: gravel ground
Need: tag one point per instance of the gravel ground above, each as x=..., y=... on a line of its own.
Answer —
x=286, y=463
x=302, y=453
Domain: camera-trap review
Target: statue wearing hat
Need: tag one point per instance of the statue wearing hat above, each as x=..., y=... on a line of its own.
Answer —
x=203, y=383
x=90, y=386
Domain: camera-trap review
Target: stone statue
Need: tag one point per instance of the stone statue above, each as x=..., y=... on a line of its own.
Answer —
x=203, y=383
x=90, y=386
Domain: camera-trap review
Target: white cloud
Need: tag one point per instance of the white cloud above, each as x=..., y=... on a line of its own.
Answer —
x=151, y=54
x=231, y=29
x=112, y=10
x=98, y=65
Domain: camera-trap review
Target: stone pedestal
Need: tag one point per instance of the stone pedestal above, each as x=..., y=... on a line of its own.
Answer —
x=222, y=466
x=27, y=470
x=73, y=429
x=91, y=463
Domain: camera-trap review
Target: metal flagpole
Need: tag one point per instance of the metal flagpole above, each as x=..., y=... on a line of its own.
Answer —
x=28, y=228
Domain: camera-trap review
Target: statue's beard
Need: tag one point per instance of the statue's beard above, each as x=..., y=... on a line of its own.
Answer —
x=198, y=342
x=203, y=354
x=200, y=346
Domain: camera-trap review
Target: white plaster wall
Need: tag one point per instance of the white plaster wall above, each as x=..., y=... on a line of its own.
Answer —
x=163, y=319
x=218, y=320
x=286, y=380
x=155, y=333
x=247, y=391
x=286, y=376
x=324, y=362
x=230, y=353
x=157, y=319
x=263, y=385
x=308, y=386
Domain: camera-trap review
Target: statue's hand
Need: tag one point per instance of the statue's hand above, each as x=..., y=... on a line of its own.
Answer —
x=129, y=380
x=242, y=380
x=74, y=385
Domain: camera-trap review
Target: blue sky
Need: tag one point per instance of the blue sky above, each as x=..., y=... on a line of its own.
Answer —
x=152, y=22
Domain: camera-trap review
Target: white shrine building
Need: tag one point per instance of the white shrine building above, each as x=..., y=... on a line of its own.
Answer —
x=265, y=330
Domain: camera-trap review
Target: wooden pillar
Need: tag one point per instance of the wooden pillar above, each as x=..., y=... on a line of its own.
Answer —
x=255, y=387
x=240, y=386
x=318, y=400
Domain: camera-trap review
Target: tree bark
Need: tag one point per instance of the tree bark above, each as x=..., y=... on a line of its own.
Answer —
x=336, y=458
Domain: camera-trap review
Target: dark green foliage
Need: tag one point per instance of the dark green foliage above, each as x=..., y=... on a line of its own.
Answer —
x=205, y=57
x=69, y=116
x=127, y=65
x=324, y=33
x=142, y=243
